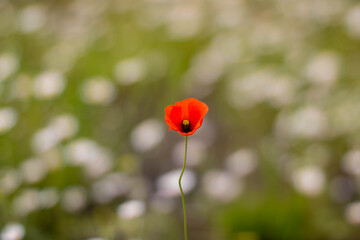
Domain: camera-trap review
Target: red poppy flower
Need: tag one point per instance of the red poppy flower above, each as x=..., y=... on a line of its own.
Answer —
x=186, y=116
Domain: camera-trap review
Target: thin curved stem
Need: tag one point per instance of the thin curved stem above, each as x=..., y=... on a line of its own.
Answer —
x=182, y=193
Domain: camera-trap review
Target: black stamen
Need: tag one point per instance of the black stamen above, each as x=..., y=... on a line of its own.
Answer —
x=185, y=126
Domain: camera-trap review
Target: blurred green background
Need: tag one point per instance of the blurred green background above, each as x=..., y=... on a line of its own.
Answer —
x=85, y=152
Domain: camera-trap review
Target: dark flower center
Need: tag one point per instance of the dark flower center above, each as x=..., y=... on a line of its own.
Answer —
x=185, y=126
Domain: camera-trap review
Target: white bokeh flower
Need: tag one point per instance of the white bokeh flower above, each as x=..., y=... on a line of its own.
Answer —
x=10, y=180
x=26, y=202
x=8, y=65
x=8, y=119
x=48, y=85
x=49, y=197
x=147, y=135
x=99, y=91
x=259, y=86
x=32, y=18
x=352, y=21
x=196, y=152
x=13, y=231
x=59, y=128
x=351, y=162
x=74, y=199
x=352, y=213
x=65, y=126
x=33, y=170
x=110, y=187
x=309, y=180
x=130, y=71
x=131, y=209
x=242, y=162
x=184, y=20
x=308, y=122
x=221, y=185
x=324, y=68
x=95, y=159
x=44, y=139
x=167, y=184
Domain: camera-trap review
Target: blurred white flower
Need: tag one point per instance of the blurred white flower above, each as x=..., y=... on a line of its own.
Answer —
x=130, y=71
x=110, y=187
x=324, y=68
x=32, y=18
x=196, y=152
x=60, y=127
x=352, y=21
x=10, y=180
x=45, y=139
x=266, y=36
x=230, y=14
x=281, y=91
x=309, y=122
x=48, y=85
x=309, y=180
x=8, y=119
x=131, y=209
x=259, y=86
x=74, y=199
x=98, y=90
x=64, y=125
x=49, y=197
x=147, y=135
x=95, y=159
x=221, y=185
x=351, y=162
x=184, y=20
x=33, y=170
x=80, y=151
x=168, y=186
x=27, y=201
x=352, y=213
x=8, y=65
x=248, y=91
x=242, y=162
x=207, y=66
x=13, y=231
x=89, y=10
x=100, y=164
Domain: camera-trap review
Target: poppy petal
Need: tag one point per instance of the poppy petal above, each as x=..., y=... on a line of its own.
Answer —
x=189, y=109
x=173, y=117
x=197, y=111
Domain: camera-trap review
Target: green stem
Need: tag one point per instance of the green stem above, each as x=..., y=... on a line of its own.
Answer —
x=182, y=193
